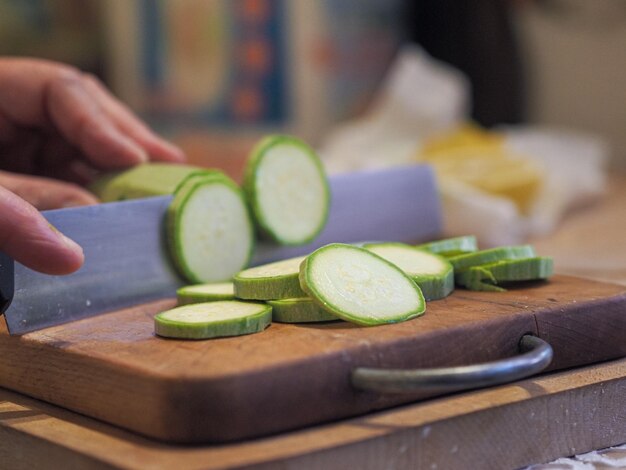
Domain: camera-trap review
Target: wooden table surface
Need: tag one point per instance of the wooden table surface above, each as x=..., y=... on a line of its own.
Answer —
x=531, y=421
x=591, y=240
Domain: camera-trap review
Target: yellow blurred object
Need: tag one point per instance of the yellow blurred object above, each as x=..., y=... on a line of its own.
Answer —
x=480, y=159
x=468, y=136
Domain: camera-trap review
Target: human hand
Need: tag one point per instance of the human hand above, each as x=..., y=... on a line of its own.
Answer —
x=58, y=122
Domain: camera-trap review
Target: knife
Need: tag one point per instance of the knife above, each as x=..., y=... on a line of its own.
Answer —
x=127, y=262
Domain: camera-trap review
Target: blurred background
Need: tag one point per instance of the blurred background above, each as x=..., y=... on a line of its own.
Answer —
x=519, y=105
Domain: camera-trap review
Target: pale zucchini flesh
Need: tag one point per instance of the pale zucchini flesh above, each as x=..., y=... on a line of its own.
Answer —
x=488, y=277
x=287, y=190
x=278, y=280
x=449, y=247
x=301, y=310
x=213, y=320
x=210, y=233
x=360, y=286
x=210, y=292
x=432, y=273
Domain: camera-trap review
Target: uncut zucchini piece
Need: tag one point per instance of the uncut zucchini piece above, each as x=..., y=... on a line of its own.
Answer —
x=432, y=273
x=146, y=180
x=210, y=292
x=209, y=230
x=360, y=286
x=273, y=281
x=491, y=255
x=287, y=190
x=301, y=310
x=449, y=247
x=213, y=320
x=486, y=277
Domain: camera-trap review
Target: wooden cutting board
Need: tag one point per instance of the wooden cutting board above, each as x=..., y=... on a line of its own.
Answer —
x=113, y=368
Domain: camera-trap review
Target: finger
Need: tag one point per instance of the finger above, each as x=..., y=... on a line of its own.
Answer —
x=82, y=121
x=35, y=93
x=157, y=148
x=44, y=193
x=27, y=237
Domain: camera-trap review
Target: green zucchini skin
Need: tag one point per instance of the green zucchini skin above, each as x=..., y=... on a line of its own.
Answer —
x=308, y=284
x=193, y=294
x=196, y=175
x=249, y=324
x=175, y=212
x=491, y=255
x=285, y=285
x=300, y=310
x=434, y=286
x=487, y=277
x=450, y=247
x=251, y=188
x=280, y=287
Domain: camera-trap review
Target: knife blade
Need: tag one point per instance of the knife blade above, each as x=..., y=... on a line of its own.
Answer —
x=127, y=262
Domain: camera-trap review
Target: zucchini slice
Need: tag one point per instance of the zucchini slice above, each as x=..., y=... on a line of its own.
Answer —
x=278, y=280
x=487, y=276
x=211, y=292
x=449, y=247
x=360, y=286
x=210, y=234
x=196, y=175
x=146, y=180
x=287, y=190
x=301, y=310
x=213, y=320
x=432, y=273
x=491, y=255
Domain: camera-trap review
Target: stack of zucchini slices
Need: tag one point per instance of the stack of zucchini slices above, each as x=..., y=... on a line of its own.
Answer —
x=372, y=284
x=212, y=225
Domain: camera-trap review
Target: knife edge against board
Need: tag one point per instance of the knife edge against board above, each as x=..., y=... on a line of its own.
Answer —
x=127, y=261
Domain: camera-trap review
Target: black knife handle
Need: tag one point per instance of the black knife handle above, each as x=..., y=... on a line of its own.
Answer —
x=7, y=283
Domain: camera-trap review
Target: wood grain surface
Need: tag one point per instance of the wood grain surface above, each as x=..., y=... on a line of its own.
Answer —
x=589, y=241
x=113, y=368
x=506, y=427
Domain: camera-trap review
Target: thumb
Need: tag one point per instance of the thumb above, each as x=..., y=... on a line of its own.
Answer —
x=27, y=237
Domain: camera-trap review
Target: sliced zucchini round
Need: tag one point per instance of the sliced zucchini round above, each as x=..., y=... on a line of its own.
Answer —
x=196, y=175
x=301, y=310
x=360, y=286
x=487, y=277
x=213, y=320
x=210, y=233
x=211, y=292
x=287, y=190
x=146, y=180
x=449, y=247
x=491, y=255
x=278, y=280
x=432, y=273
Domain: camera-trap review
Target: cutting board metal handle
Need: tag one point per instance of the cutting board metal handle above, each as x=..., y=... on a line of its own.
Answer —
x=536, y=355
